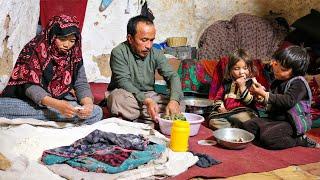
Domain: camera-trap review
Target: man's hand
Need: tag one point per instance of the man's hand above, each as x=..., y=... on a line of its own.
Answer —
x=152, y=108
x=172, y=108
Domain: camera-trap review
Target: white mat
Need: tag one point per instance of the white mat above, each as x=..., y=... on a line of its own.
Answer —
x=23, y=145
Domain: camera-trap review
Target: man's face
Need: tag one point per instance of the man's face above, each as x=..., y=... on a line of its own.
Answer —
x=142, y=41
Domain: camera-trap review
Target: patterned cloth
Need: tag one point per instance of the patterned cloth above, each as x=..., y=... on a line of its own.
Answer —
x=257, y=35
x=41, y=63
x=104, y=152
x=217, y=40
x=194, y=76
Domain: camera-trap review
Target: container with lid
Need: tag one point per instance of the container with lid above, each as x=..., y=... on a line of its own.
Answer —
x=179, y=140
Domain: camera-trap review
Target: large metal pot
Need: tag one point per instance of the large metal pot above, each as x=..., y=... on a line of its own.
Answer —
x=196, y=105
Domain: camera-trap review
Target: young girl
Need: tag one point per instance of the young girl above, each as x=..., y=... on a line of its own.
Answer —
x=275, y=131
x=233, y=92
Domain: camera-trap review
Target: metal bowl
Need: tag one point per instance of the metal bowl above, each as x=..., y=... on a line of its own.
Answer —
x=233, y=138
x=197, y=105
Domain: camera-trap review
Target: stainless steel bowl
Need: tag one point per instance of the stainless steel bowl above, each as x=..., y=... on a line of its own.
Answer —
x=233, y=138
x=197, y=105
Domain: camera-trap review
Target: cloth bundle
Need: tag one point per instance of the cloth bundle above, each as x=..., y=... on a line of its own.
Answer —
x=105, y=152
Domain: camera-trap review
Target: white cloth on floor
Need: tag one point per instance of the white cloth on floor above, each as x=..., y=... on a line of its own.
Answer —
x=23, y=146
x=34, y=122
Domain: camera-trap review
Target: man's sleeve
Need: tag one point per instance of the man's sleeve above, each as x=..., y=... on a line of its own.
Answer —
x=171, y=77
x=121, y=75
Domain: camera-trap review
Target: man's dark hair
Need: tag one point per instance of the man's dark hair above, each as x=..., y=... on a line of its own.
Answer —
x=132, y=24
x=294, y=57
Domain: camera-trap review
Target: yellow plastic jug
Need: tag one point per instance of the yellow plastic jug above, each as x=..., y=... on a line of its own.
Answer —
x=179, y=140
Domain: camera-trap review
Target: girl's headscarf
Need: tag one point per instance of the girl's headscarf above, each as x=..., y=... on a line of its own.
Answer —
x=41, y=63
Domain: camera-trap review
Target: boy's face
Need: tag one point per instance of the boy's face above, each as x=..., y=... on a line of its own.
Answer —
x=280, y=72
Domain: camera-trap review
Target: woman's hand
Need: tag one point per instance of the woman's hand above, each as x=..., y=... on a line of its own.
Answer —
x=85, y=112
x=66, y=109
x=87, y=108
x=172, y=108
x=62, y=106
x=152, y=108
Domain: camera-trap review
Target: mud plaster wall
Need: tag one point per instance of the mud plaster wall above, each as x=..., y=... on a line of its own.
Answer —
x=18, y=20
x=104, y=30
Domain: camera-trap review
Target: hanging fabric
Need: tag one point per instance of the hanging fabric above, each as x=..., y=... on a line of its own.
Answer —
x=49, y=8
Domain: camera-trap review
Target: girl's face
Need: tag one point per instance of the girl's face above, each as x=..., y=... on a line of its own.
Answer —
x=65, y=43
x=240, y=69
x=280, y=72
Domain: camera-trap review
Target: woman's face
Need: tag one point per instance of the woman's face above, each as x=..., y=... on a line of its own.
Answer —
x=240, y=69
x=65, y=43
x=280, y=72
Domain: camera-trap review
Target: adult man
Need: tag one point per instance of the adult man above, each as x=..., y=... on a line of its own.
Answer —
x=133, y=64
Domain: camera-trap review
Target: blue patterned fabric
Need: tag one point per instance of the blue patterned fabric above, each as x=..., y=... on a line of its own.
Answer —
x=105, y=152
x=136, y=159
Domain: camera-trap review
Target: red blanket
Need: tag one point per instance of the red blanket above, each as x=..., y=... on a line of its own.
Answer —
x=248, y=160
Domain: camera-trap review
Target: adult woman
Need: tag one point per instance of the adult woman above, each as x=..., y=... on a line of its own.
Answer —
x=48, y=81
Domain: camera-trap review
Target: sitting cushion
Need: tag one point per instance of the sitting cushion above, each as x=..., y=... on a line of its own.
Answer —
x=98, y=91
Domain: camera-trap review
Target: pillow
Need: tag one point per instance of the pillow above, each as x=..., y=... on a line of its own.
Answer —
x=309, y=24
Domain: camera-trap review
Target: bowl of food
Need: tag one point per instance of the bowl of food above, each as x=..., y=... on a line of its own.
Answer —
x=165, y=122
x=233, y=138
x=196, y=105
